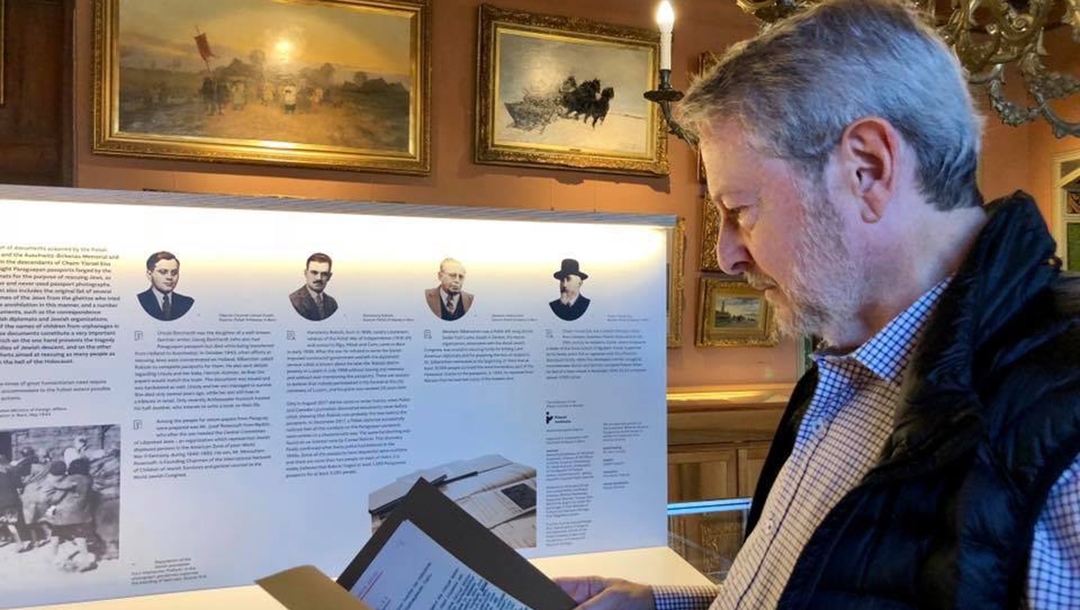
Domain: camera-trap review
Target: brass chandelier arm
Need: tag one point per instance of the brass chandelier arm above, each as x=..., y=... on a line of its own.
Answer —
x=1060, y=126
x=1010, y=113
x=1045, y=85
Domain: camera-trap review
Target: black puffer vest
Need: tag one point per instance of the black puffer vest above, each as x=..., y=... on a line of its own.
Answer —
x=989, y=419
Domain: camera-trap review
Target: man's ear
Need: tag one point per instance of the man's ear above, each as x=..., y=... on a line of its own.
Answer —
x=869, y=158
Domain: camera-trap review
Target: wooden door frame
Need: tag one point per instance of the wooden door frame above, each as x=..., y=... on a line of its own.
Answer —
x=1057, y=214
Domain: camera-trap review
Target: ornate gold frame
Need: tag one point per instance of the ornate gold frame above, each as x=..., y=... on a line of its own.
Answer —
x=710, y=232
x=494, y=19
x=109, y=140
x=705, y=61
x=763, y=336
x=3, y=50
x=675, y=296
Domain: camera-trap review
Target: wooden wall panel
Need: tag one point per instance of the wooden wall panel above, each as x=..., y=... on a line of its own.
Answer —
x=701, y=474
x=750, y=459
x=37, y=117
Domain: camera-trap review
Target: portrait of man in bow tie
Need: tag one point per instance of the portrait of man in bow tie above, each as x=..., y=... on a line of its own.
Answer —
x=161, y=300
x=571, y=304
x=447, y=300
x=311, y=300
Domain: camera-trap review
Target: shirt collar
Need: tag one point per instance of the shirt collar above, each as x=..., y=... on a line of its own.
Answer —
x=315, y=296
x=887, y=353
x=446, y=295
x=160, y=295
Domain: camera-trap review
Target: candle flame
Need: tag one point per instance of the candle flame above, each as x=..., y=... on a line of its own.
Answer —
x=665, y=15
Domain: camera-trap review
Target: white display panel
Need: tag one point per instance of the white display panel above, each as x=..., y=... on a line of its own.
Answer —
x=242, y=438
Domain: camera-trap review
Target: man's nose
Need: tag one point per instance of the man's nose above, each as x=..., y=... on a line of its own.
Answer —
x=731, y=251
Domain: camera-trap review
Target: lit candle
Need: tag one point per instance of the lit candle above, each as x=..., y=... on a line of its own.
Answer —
x=665, y=18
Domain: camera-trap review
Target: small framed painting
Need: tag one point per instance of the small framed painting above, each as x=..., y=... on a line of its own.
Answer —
x=731, y=313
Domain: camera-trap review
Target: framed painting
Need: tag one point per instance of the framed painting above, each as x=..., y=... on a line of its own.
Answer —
x=803, y=358
x=341, y=84
x=710, y=232
x=705, y=61
x=3, y=51
x=731, y=313
x=675, y=269
x=567, y=93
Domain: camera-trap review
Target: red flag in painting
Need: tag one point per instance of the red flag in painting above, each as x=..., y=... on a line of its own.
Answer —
x=204, y=47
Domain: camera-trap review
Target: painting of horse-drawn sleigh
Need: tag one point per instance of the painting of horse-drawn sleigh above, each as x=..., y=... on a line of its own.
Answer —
x=324, y=83
x=568, y=93
x=572, y=101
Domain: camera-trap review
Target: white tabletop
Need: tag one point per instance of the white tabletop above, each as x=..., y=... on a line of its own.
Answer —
x=654, y=566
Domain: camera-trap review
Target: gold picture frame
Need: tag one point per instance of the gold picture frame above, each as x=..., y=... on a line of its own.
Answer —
x=731, y=313
x=3, y=51
x=806, y=345
x=705, y=61
x=238, y=81
x=710, y=232
x=675, y=294
x=567, y=93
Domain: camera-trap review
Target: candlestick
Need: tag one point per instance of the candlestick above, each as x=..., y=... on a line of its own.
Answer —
x=665, y=18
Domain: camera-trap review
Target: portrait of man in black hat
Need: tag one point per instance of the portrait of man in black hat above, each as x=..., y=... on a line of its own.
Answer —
x=161, y=300
x=311, y=300
x=571, y=304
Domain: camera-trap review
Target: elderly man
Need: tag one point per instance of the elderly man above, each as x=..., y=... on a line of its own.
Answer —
x=447, y=300
x=929, y=459
x=161, y=300
x=311, y=300
x=571, y=304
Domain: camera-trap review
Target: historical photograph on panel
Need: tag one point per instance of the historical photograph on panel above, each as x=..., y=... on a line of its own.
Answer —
x=562, y=91
x=59, y=500
x=303, y=82
x=497, y=492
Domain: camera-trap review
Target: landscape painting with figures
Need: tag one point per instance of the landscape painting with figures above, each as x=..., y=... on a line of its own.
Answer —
x=736, y=312
x=257, y=70
x=732, y=313
x=309, y=82
x=572, y=94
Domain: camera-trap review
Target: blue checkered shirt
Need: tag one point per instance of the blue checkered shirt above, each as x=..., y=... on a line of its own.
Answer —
x=844, y=430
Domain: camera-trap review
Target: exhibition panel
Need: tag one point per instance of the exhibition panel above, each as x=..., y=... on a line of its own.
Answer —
x=203, y=390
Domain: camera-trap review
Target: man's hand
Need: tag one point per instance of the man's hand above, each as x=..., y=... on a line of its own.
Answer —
x=595, y=593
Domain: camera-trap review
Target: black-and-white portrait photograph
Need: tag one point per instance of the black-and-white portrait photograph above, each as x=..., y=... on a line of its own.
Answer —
x=571, y=304
x=311, y=300
x=59, y=500
x=161, y=300
x=448, y=300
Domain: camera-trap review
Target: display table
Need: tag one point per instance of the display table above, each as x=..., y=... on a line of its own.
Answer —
x=655, y=566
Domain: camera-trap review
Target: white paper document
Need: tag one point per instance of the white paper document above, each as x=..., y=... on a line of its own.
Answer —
x=412, y=572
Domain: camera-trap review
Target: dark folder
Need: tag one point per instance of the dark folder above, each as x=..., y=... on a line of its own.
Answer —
x=470, y=542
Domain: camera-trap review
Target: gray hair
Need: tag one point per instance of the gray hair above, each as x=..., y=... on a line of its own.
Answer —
x=447, y=261
x=798, y=85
